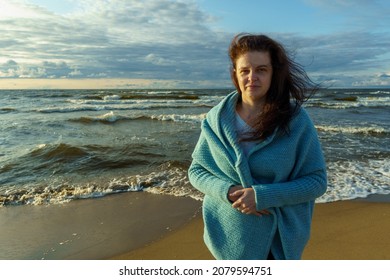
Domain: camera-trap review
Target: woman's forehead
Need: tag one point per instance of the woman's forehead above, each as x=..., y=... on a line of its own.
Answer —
x=255, y=58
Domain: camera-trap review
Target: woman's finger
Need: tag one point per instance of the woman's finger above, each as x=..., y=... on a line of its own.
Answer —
x=264, y=212
x=237, y=193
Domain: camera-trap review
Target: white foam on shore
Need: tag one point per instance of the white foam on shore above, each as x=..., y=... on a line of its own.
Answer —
x=346, y=180
x=179, y=118
x=356, y=179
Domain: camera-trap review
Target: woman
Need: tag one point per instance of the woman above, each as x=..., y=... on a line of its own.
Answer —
x=258, y=159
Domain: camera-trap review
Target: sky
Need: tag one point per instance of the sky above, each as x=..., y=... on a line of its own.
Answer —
x=47, y=44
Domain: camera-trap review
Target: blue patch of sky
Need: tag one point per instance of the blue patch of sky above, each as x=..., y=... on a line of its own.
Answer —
x=59, y=7
x=264, y=16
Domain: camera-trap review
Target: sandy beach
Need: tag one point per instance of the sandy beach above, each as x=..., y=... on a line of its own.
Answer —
x=91, y=228
x=143, y=226
x=344, y=230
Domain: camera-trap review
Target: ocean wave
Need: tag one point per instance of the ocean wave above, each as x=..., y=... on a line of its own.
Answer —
x=45, y=94
x=380, y=92
x=70, y=109
x=93, y=157
x=47, y=161
x=347, y=98
x=119, y=107
x=354, y=101
x=169, y=179
x=128, y=103
x=7, y=110
x=49, y=151
x=346, y=180
x=57, y=194
x=162, y=95
x=356, y=179
x=112, y=97
x=179, y=118
x=156, y=92
x=112, y=117
x=368, y=130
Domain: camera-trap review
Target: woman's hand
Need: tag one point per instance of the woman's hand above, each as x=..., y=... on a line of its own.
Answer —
x=244, y=201
x=232, y=190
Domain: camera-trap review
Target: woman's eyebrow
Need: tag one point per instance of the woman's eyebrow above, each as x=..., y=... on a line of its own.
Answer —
x=264, y=65
x=256, y=66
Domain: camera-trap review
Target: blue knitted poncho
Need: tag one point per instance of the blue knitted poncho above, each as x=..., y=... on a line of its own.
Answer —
x=286, y=171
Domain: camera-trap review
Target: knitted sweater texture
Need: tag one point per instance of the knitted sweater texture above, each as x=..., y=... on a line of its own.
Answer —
x=286, y=171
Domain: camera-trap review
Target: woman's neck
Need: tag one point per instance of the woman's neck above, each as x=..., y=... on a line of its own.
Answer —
x=249, y=112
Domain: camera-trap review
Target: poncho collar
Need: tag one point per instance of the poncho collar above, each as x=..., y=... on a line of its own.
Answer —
x=221, y=120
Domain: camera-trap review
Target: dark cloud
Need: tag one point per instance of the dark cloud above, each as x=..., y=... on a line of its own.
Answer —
x=153, y=39
x=44, y=69
x=163, y=39
x=343, y=58
x=342, y=52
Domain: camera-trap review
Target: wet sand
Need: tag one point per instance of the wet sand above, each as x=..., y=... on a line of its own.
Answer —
x=91, y=228
x=142, y=226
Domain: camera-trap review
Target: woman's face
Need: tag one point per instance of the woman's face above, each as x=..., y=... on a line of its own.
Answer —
x=254, y=75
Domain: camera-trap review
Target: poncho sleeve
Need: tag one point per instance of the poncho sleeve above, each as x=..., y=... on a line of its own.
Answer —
x=208, y=183
x=211, y=171
x=307, y=180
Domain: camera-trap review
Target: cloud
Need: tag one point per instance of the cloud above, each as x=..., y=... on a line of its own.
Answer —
x=44, y=69
x=156, y=60
x=11, y=69
x=350, y=55
x=163, y=40
x=152, y=39
x=372, y=82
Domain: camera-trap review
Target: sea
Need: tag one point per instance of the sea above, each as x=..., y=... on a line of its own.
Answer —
x=62, y=145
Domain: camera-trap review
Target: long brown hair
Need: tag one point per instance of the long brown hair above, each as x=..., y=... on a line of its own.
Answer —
x=289, y=81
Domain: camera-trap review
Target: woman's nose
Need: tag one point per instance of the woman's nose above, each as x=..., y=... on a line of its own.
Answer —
x=253, y=76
